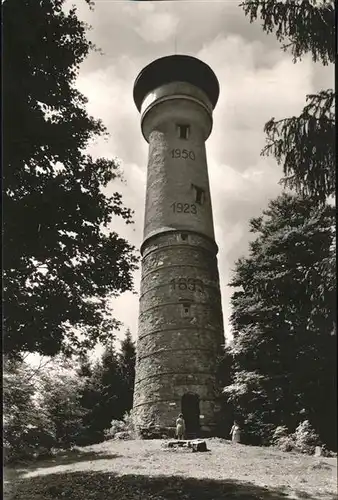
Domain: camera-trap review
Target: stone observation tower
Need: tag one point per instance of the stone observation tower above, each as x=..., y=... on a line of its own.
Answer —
x=180, y=320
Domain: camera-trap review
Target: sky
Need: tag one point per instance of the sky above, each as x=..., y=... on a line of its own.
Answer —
x=257, y=79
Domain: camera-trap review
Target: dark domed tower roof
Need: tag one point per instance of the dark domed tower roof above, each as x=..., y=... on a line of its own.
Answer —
x=176, y=68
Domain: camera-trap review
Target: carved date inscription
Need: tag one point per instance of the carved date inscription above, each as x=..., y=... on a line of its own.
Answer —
x=186, y=208
x=192, y=284
x=184, y=154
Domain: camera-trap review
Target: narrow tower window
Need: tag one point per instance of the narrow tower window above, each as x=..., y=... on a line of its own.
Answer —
x=183, y=131
x=199, y=194
x=186, y=309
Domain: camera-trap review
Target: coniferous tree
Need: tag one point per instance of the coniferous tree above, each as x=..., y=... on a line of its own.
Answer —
x=101, y=396
x=110, y=386
x=107, y=391
x=283, y=321
x=127, y=358
x=303, y=145
x=60, y=268
x=89, y=399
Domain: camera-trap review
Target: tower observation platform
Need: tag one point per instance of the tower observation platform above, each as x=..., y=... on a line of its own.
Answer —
x=176, y=68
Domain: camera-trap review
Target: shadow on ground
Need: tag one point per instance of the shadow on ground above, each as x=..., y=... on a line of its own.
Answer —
x=103, y=486
x=13, y=473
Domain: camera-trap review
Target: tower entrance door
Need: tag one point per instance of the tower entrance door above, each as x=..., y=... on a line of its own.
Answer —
x=190, y=405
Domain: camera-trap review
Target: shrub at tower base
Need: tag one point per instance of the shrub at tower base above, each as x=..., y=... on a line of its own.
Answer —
x=284, y=326
x=56, y=407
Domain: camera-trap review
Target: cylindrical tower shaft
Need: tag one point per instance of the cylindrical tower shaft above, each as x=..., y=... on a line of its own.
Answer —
x=180, y=321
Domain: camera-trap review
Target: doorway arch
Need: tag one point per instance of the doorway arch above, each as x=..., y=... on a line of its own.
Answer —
x=190, y=407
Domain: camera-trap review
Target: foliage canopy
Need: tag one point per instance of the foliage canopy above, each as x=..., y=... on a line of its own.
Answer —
x=303, y=145
x=62, y=260
x=283, y=320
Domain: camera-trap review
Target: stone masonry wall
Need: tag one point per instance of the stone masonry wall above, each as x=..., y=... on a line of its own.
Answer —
x=180, y=328
x=180, y=320
x=171, y=197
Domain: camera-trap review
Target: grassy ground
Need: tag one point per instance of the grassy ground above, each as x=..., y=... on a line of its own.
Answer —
x=145, y=470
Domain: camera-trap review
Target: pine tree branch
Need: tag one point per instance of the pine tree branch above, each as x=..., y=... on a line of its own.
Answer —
x=308, y=25
x=305, y=147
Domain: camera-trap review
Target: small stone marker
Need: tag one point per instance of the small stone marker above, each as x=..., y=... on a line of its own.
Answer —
x=194, y=445
x=172, y=444
x=198, y=445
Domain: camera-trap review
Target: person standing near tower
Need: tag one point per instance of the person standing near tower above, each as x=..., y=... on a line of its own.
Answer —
x=180, y=427
x=235, y=433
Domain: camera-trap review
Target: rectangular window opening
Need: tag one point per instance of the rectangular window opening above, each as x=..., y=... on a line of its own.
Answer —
x=183, y=131
x=186, y=309
x=199, y=194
